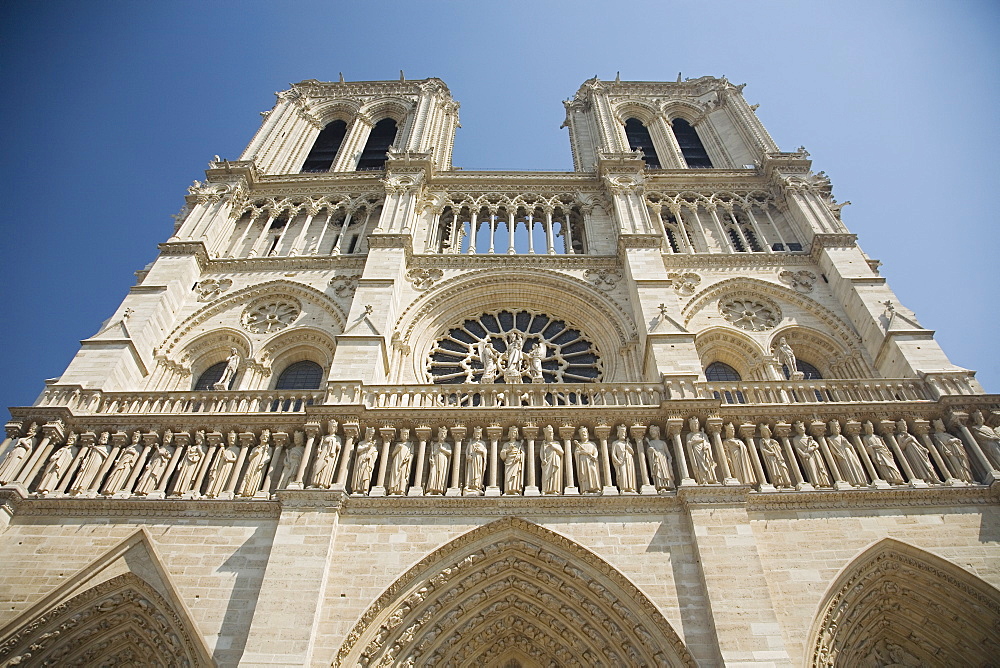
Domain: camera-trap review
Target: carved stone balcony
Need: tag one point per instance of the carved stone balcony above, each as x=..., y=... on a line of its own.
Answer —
x=816, y=391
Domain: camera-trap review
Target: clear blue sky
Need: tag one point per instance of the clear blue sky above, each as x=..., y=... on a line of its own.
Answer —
x=111, y=109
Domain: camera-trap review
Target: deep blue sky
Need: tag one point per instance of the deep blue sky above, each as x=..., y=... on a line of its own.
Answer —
x=111, y=109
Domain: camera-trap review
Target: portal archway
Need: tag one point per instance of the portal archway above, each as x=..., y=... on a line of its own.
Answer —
x=512, y=591
x=898, y=605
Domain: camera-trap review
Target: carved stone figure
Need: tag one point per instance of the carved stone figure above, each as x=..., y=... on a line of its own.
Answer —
x=808, y=451
x=512, y=361
x=58, y=462
x=155, y=466
x=364, y=462
x=847, y=458
x=881, y=455
x=402, y=458
x=953, y=451
x=475, y=462
x=326, y=461
x=777, y=467
x=623, y=457
x=218, y=476
x=660, y=460
x=17, y=455
x=737, y=456
x=587, y=468
x=786, y=356
x=552, y=463
x=512, y=455
x=986, y=437
x=700, y=452
x=232, y=366
x=187, y=472
x=97, y=454
x=440, y=457
x=917, y=453
x=256, y=465
x=535, y=358
x=290, y=465
x=490, y=359
x=123, y=467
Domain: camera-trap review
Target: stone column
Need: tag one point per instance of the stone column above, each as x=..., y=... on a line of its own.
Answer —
x=674, y=428
x=713, y=426
x=383, y=461
x=351, y=431
x=853, y=430
x=989, y=473
x=530, y=432
x=782, y=430
x=13, y=429
x=888, y=430
x=747, y=431
x=52, y=432
x=280, y=439
x=638, y=432
x=602, y=431
x=455, y=488
x=86, y=439
x=423, y=433
x=312, y=430
x=181, y=440
x=493, y=432
x=566, y=433
x=818, y=430
x=922, y=430
x=246, y=440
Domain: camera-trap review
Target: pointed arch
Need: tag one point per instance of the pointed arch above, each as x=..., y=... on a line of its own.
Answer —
x=726, y=345
x=895, y=603
x=507, y=589
x=121, y=610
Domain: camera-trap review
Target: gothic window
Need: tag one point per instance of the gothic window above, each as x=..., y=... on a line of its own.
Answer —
x=324, y=150
x=210, y=377
x=639, y=138
x=379, y=141
x=569, y=357
x=810, y=372
x=488, y=231
x=690, y=144
x=304, y=375
x=718, y=372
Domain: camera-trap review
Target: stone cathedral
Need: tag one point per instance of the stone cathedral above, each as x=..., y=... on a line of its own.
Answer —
x=368, y=408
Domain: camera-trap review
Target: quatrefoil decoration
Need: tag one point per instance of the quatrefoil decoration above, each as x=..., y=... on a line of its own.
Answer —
x=269, y=316
x=753, y=315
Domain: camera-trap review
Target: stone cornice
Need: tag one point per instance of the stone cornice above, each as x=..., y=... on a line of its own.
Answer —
x=722, y=260
x=281, y=265
x=134, y=507
x=502, y=261
x=856, y=499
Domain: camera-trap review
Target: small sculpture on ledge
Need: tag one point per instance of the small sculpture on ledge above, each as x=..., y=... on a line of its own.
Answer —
x=232, y=366
x=786, y=356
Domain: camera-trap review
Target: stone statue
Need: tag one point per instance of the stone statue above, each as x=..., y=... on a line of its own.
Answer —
x=219, y=474
x=97, y=454
x=490, y=360
x=292, y=461
x=364, y=462
x=881, y=455
x=512, y=455
x=58, y=462
x=777, y=467
x=953, y=452
x=917, y=453
x=623, y=457
x=513, y=359
x=326, y=462
x=440, y=457
x=700, y=453
x=552, y=461
x=660, y=460
x=402, y=459
x=475, y=462
x=587, y=469
x=737, y=456
x=156, y=466
x=256, y=465
x=122, y=470
x=187, y=472
x=986, y=437
x=847, y=458
x=808, y=450
x=535, y=358
x=17, y=455
x=232, y=366
x=786, y=356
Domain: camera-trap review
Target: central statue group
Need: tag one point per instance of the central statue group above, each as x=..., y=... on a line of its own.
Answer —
x=513, y=364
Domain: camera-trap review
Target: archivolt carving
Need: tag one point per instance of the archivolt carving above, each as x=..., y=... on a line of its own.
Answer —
x=276, y=288
x=754, y=286
x=720, y=344
x=512, y=587
x=305, y=339
x=211, y=347
x=120, y=622
x=896, y=604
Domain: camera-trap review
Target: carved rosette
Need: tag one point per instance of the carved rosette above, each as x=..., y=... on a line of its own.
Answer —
x=605, y=279
x=753, y=315
x=423, y=278
x=800, y=280
x=685, y=283
x=270, y=315
x=210, y=288
x=345, y=285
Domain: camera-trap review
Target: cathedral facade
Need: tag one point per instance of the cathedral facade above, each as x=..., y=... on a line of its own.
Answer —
x=367, y=408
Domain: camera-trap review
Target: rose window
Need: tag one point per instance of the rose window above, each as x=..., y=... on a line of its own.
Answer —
x=270, y=316
x=513, y=347
x=750, y=314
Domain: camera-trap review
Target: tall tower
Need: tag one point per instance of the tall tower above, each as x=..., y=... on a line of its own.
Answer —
x=369, y=408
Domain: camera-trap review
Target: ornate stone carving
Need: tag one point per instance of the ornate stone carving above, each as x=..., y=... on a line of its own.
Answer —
x=623, y=457
x=552, y=463
x=364, y=462
x=737, y=456
x=684, y=283
x=345, y=285
x=774, y=460
x=270, y=315
x=881, y=455
x=512, y=455
x=801, y=280
x=605, y=279
x=402, y=460
x=210, y=288
x=586, y=454
x=700, y=453
x=660, y=460
x=18, y=455
x=475, y=463
x=424, y=278
x=754, y=315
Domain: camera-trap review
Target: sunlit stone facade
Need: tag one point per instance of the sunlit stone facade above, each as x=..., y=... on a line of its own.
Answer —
x=366, y=408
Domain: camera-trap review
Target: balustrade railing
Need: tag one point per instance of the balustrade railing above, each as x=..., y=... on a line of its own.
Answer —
x=816, y=391
x=174, y=403
x=511, y=396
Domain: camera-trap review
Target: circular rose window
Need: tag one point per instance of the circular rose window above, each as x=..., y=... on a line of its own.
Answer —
x=270, y=316
x=513, y=347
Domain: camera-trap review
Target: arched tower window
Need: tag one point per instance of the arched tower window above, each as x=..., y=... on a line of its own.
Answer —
x=638, y=138
x=808, y=370
x=379, y=141
x=691, y=147
x=304, y=375
x=325, y=149
x=210, y=377
x=719, y=372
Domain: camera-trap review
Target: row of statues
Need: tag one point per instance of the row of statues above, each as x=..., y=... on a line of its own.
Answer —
x=518, y=460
